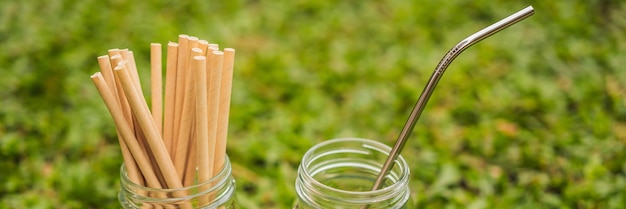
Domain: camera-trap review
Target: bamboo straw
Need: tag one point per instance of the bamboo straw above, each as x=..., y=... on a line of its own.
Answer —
x=170, y=90
x=181, y=72
x=140, y=109
x=156, y=69
x=216, y=62
x=124, y=129
x=224, y=109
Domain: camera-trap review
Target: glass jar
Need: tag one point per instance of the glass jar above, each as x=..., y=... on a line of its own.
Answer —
x=340, y=173
x=220, y=190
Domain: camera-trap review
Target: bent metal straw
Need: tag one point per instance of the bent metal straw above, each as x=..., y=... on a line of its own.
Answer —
x=434, y=79
x=162, y=146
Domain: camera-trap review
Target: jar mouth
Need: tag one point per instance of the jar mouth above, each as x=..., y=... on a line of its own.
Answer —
x=309, y=167
x=216, y=182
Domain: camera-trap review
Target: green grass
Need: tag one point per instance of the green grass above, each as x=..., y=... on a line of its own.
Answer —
x=533, y=117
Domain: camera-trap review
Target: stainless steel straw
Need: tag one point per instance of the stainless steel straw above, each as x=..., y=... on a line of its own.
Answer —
x=434, y=79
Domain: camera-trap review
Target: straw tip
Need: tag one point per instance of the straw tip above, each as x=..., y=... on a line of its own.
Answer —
x=116, y=56
x=96, y=75
x=529, y=10
x=120, y=66
x=196, y=49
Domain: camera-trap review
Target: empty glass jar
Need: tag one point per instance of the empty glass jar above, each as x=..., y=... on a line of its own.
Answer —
x=340, y=173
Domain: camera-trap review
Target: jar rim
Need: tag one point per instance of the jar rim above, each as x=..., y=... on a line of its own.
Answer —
x=400, y=163
x=221, y=178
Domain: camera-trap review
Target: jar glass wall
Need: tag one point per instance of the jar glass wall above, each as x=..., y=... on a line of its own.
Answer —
x=216, y=192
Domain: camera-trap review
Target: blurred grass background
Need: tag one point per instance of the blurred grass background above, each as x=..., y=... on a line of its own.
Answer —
x=533, y=117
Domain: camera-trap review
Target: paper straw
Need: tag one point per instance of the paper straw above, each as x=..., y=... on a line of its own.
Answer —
x=193, y=43
x=181, y=72
x=186, y=121
x=140, y=109
x=127, y=134
x=192, y=150
x=156, y=69
x=191, y=163
x=215, y=77
x=202, y=133
x=115, y=58
x=170, y=90
x=129, y=57
x=224, y=108
x=107, y=73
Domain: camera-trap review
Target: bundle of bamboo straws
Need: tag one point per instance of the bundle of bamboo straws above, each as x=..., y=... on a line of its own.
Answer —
x=182, y=142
